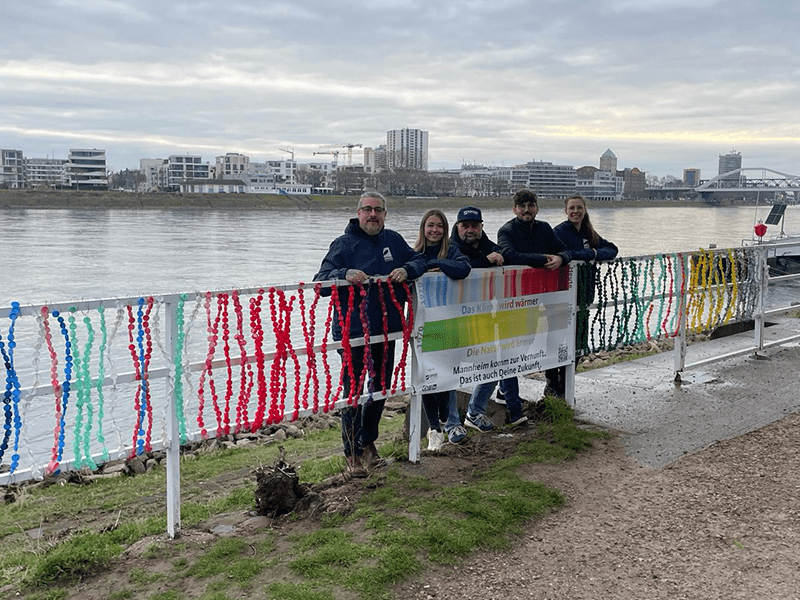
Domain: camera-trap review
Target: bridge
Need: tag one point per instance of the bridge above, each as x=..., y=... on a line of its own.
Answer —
x=755, y=183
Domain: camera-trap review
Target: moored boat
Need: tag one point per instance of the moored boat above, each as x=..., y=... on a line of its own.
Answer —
x=783, y=250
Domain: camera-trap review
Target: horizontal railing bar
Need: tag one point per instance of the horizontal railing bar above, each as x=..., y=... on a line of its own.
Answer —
x=741, y=352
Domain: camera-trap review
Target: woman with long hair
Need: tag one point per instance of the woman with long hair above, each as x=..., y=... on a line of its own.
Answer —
x=584, y=243
x=434, y=245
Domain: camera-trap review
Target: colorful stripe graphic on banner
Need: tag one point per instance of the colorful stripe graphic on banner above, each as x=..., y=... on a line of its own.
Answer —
x=472, y=330
x=481, y=285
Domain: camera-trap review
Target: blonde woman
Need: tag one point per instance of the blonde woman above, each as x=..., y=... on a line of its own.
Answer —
x=583, y=243
x=440, y=255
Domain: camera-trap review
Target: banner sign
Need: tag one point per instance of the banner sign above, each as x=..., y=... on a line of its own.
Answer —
x=495, y=324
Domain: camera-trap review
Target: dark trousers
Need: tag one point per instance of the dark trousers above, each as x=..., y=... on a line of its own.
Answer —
x=360, y=425
x=556, y=381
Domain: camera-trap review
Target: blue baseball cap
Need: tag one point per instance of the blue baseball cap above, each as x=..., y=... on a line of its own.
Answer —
x=469, y=213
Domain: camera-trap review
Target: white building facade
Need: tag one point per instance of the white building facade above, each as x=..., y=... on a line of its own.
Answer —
x=12, y=169
x=85, y=169
x=155, y=173
x=182, y=167
x=45, y=172
x=231, y=166
x=549, y=180
x=407, y=149
x=599, y=186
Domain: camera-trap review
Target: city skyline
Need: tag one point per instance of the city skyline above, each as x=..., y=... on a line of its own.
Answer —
x=666, y=84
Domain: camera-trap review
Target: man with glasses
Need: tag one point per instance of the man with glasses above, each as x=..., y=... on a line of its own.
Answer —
x=468, y=235
x=526, y=241
x=367, y=249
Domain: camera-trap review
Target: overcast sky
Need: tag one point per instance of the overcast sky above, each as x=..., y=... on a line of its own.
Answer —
x=665, y=84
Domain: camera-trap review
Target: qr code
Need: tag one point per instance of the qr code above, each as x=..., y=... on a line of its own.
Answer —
x=563, y=353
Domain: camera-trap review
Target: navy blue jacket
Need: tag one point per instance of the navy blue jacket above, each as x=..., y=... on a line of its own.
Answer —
x=577, y=242
x=376, y=255
x=477, y=256
x=529, y=243
x=455, y=265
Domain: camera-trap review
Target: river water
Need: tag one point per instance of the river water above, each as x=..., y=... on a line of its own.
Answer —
x=66, y=255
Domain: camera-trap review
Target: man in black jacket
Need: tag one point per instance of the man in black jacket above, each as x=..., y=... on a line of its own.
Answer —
x=473, y=242
x=468, y=235
x=526, y=241
x=366, y=250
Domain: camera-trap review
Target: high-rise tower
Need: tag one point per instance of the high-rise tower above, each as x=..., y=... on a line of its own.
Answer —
x=730, y=162
x=608, y=162
x=407, y=149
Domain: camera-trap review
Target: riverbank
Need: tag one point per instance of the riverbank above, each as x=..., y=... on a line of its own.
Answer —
x=90, y=200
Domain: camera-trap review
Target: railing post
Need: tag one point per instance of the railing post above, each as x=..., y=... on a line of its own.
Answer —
x=569, y=380
x=679, y=353
x=415, y=404
x=762, y=295
x=173, y=433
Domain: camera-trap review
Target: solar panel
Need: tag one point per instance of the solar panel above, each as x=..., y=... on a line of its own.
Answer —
x=775, y=214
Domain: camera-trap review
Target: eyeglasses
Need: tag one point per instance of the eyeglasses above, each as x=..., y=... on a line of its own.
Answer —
x=376, y=209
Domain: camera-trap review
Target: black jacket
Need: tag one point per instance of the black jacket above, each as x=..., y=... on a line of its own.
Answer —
x=527, y=244
x=477, y=256
x=577, y=242
x=455, y=265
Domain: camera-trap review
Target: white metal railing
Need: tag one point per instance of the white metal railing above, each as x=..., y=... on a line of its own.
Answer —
x=280, y=333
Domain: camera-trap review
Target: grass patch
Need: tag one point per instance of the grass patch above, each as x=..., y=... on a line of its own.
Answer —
x=403, y=528
x=298, y=591
x=235, y=559
x=400, y=524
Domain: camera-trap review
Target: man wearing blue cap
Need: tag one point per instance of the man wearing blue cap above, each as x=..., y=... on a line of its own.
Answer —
x=469, y=237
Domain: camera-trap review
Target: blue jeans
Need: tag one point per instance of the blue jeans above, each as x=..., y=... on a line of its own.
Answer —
x=482, y=393
x=360, y=425
x=441, y=407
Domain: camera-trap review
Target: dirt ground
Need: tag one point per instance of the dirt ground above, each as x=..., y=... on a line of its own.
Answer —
x=721, y=523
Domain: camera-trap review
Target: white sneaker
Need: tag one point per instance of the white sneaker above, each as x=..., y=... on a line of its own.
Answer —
x=435, y=440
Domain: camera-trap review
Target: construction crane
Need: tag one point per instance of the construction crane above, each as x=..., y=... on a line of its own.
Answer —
x=291, y=169
x=334, y=152
x=349, y=149
x=288, y=151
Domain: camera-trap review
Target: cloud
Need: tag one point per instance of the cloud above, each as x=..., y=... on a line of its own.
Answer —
x=665, y=83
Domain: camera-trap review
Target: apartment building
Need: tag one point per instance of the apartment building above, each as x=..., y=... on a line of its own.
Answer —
x=155, y=173
x=183, y=167
x=12, y=169
x=407, y=149
x=285, y=171
x=599, y=185
x=45, y=172
x=231, y=166
x=85, y=169
x=550, y=180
